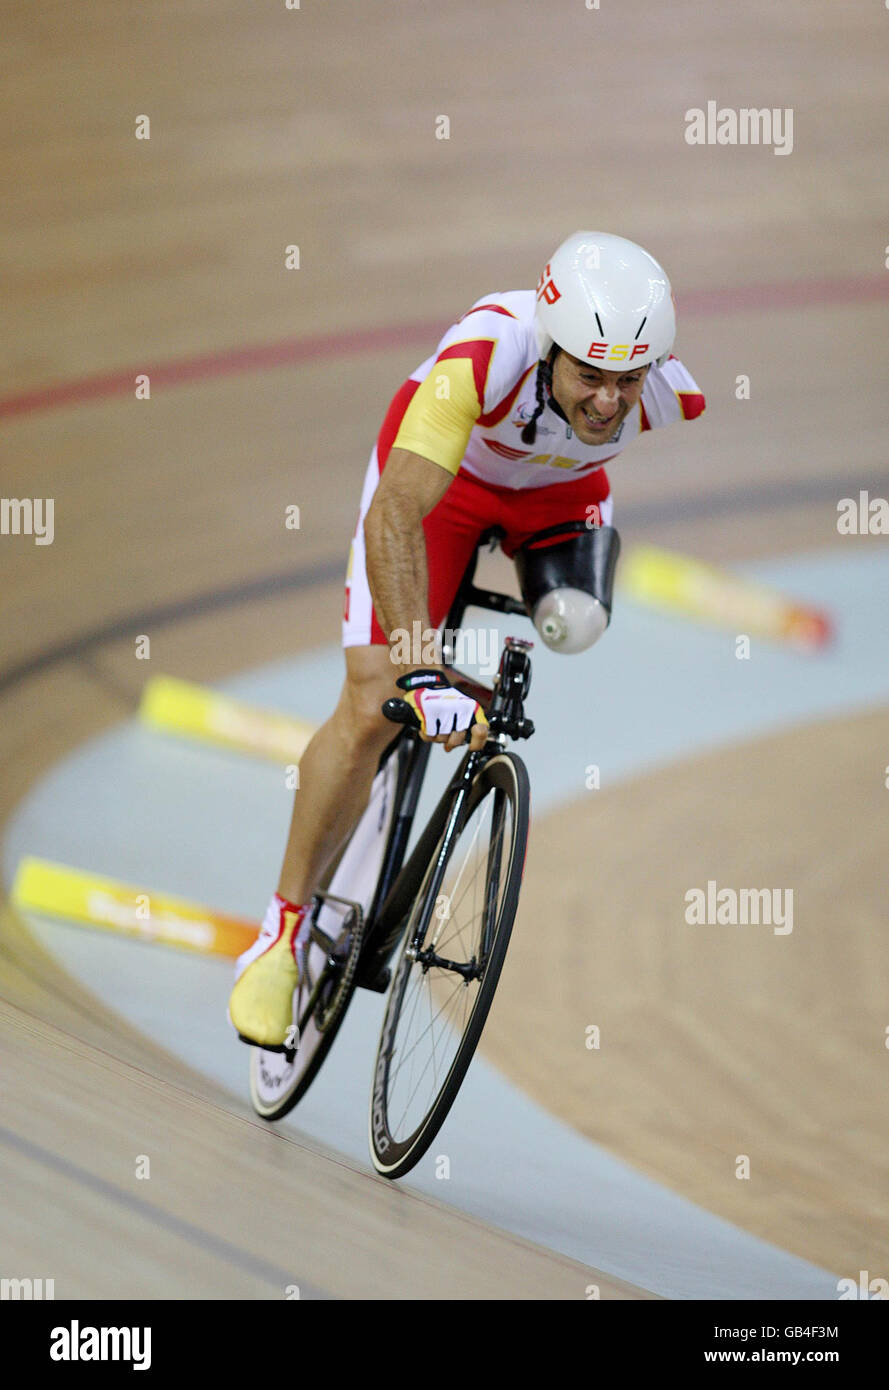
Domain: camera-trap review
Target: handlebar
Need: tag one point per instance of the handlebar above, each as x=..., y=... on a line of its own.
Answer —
x=400, y=712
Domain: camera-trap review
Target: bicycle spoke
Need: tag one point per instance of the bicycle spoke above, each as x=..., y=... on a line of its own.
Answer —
x=404, y=1054
x=428, y=1044
x=454, y=915
x=453, y=904
x=467, y=853
x=429, y=1063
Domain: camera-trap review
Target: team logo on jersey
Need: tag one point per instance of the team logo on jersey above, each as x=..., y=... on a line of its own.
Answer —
x=504, y=450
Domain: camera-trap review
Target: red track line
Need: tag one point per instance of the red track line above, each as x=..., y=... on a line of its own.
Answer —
x=807, y=294
x=224, y=363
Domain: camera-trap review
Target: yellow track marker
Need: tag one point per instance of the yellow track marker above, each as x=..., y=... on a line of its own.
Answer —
x=193, y=711
x=59, y=891
x=680, y=584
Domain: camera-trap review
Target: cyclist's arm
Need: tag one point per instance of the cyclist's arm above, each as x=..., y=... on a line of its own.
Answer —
x=395, y=546
x=424, y=460
x=395, y=543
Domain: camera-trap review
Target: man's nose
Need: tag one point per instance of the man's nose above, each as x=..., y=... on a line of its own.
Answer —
x=606, y=399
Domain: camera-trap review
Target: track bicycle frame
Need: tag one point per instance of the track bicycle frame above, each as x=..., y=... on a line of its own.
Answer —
x=399, y=882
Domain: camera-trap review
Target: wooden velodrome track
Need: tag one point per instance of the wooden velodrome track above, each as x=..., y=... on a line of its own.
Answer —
x=316, y=127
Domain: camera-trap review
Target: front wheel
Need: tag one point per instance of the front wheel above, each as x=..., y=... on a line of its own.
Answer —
x=455, y=944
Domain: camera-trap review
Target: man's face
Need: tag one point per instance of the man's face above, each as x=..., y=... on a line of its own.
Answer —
x=594, y=400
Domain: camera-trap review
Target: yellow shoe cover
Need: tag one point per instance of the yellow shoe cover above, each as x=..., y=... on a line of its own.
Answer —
x=261, y=1003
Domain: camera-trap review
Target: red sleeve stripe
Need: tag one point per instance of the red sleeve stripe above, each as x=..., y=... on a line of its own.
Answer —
x=692, y=404
x=492, y=308
x=506, y=451
x=392, y=423
x=502, y=408
x=479, y=353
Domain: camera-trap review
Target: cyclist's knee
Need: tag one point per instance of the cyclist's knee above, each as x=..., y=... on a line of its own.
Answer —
x=370, y=680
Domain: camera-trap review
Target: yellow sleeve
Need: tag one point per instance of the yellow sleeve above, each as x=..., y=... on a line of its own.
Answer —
x=439, y=420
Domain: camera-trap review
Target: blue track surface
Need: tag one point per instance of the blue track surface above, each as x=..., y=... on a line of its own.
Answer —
x=210, y=826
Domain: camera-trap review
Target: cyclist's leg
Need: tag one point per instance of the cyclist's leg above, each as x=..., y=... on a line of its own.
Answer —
x=335, y=775
x=338, y=766
x=337, y=769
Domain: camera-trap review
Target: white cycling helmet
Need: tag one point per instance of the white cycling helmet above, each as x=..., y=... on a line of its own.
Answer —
x=605, y=300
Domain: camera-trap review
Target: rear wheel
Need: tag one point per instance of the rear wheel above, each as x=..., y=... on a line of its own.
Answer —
x=447, y=974
x=279, y=1079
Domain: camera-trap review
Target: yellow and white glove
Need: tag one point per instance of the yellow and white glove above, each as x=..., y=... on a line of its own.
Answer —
x=440, y=708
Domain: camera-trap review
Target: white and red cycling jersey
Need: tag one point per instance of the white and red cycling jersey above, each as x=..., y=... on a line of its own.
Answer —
x=465, y=408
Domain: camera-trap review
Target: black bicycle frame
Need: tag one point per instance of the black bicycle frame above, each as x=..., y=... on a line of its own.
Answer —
x=399, y=882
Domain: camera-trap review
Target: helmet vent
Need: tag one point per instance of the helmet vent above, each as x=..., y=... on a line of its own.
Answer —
x=601, y=329
x=639, y=329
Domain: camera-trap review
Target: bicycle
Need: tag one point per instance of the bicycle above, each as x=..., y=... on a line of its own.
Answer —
x=450, y=905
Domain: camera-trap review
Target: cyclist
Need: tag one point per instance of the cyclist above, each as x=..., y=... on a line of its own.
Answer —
x=509, y=423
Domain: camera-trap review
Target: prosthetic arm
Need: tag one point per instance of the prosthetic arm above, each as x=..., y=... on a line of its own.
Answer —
x=566, y=574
